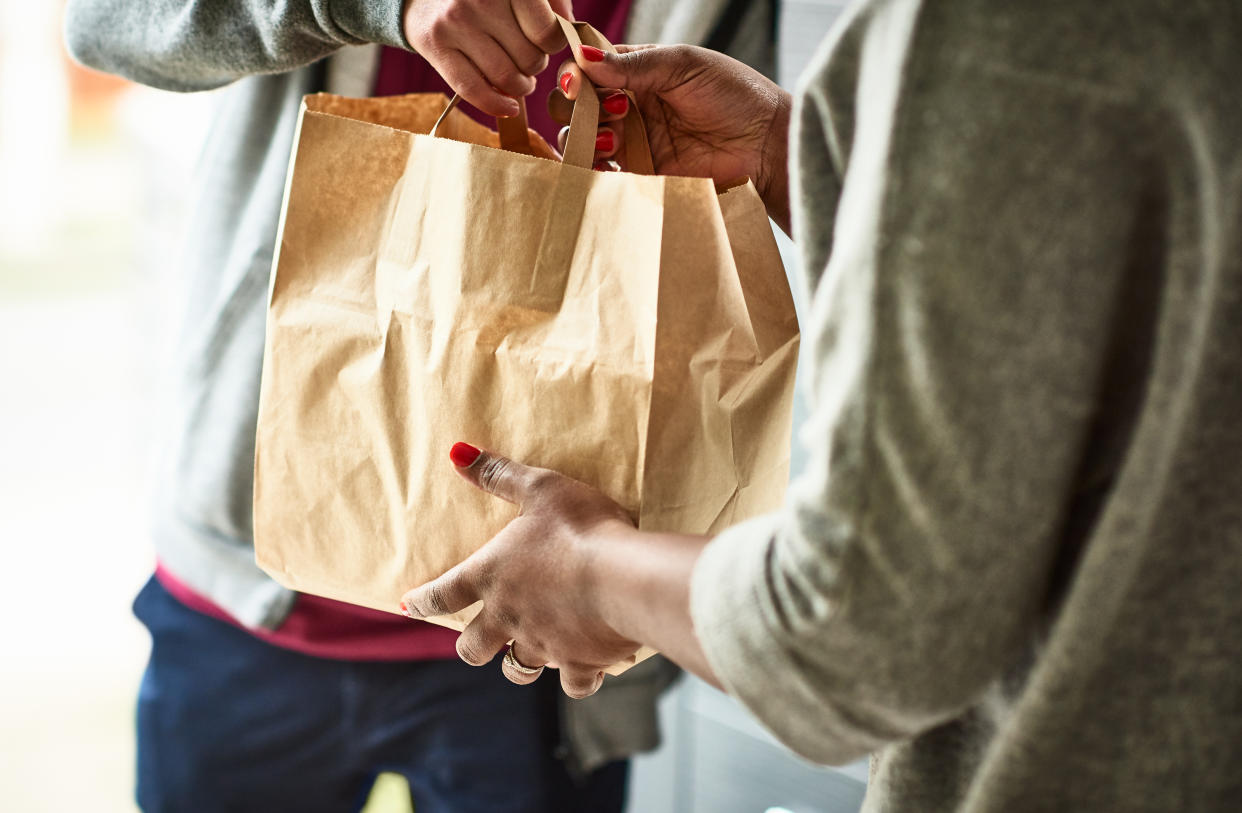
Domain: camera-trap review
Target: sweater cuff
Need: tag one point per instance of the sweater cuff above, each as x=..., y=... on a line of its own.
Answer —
x=751, y=652
x=725, y=611
x=376, y=21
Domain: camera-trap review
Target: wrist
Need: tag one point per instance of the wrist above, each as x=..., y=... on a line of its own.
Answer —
x=607, y=574
x=772, y=177
x=638, y=581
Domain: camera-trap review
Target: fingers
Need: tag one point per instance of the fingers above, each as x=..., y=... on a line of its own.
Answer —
x=486, y=50
x=640, y=68
x=480, y=640
x=455, y=590
x=561, y=109
x=607, y=141
x=569, y=79
x=500, y=66
x=576, y=681
x=614, y=105
x=627, y=68
x=505, y=478
x=579, y=682
x=537, y=22
x=524, y=50
x=465, y=78
x=521, y=669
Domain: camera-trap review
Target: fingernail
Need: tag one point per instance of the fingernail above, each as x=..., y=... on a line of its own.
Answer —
x=405, y=610
x=566, y=78
x=604, y=141
x=463, y=454
x=592, y=54
x=617, y=103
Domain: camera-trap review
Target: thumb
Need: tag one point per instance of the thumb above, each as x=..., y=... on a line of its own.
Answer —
x=640, y=68
x=505, y=478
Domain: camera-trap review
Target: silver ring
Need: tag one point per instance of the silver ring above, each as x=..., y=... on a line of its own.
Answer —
x=525, y=671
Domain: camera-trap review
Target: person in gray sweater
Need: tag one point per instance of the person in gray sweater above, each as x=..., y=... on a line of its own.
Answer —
x=1011, y=569
x=255, y=697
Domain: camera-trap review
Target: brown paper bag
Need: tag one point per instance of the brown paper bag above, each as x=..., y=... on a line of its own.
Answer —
x=633, y=331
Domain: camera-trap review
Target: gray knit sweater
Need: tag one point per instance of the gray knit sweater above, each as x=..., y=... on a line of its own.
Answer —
x=1013, y=568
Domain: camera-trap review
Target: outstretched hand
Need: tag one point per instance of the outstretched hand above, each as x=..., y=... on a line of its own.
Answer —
x=534, y=577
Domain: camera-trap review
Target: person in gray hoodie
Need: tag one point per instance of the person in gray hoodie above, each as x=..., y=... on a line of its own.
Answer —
x=256, y=697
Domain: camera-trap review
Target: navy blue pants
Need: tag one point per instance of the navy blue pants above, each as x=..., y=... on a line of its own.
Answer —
x=229, y=723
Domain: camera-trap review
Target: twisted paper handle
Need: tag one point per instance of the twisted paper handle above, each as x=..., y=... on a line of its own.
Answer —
x=584, y=123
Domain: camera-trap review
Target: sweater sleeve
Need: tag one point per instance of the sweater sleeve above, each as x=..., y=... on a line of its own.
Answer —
x=188, y=45
x=958, y=335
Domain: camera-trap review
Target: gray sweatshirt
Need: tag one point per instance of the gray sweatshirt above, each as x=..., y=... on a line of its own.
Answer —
x=270, y=54
x=1013, y=567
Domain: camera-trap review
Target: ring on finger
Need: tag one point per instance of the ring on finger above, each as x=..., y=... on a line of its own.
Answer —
x=525, y=671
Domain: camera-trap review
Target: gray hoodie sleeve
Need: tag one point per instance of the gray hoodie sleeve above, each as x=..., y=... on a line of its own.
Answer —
x=188, y=45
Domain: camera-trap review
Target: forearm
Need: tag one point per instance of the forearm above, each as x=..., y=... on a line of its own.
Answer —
x=641, y=582
x=188, y=45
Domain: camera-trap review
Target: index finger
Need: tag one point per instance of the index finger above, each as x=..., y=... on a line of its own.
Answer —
x=453, y=591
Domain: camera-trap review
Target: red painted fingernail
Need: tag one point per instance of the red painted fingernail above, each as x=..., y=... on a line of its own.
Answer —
x=617, y=103
x=406, y=611
x=592, y=54
x=604, y=141
x=463, y=454
x=566, y=78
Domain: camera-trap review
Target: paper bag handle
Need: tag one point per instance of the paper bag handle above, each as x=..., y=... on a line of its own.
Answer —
x=584, y=123
x=514, y=135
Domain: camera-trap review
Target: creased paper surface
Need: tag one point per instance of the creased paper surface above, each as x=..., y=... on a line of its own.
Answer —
x=634, y=332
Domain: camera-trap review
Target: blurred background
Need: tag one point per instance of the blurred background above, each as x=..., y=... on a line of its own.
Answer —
x=92, y=171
